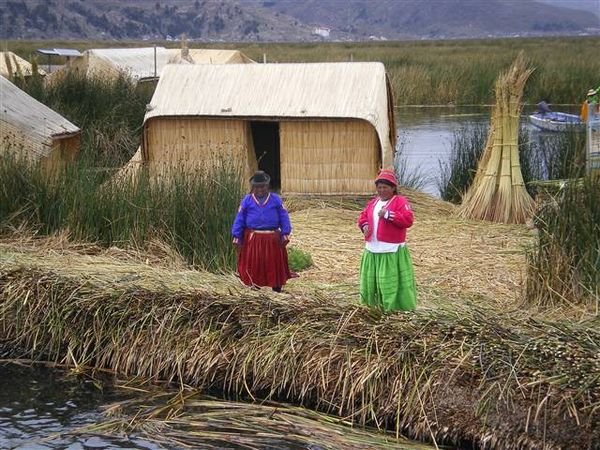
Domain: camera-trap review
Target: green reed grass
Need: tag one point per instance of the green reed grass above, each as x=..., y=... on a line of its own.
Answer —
x=457, y=173
x=192, y=211
x=109, y=111
x=543, y=156
x=299, y=259
x=557, y=156
x=564, y=266
x=431, y=72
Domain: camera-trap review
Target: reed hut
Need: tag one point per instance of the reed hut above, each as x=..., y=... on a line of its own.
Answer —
x=30, y=129
x=146, y=63
x=322, y=128
x=141, y=64
x=12, y=65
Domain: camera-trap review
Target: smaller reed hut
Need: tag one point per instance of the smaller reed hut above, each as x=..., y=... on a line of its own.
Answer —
x=30, y=129
x=12, y=65
x=146, y=63
x=323, y=128
x=140, y=63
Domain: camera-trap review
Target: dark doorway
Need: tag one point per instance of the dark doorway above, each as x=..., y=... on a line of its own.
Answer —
x=265, y=136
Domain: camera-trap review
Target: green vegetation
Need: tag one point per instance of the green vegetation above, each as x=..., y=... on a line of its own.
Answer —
x=192, y=212
x=109, y=111
x=564, y=265
x=298, y=259
x=556, y=156
x=429, y=72
x=547, y=156
x=456, y=174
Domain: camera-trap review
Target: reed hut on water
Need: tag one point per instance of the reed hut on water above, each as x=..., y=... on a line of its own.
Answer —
x=322, y=128
x=31, y=130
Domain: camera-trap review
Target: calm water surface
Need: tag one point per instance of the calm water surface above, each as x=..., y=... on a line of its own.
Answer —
x=425, y=134
x=425, y=137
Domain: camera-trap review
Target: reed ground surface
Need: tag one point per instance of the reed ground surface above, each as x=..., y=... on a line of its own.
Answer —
x=473, y=340
x=455, y=259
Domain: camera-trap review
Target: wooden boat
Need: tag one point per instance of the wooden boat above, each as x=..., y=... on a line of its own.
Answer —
x=557, y=121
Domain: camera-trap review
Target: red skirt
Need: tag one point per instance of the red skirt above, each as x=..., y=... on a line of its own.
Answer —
x=262, y=260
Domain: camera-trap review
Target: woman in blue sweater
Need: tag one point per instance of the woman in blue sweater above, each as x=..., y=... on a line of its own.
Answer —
x=261, y=231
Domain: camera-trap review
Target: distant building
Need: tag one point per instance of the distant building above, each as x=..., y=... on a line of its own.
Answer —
x=322, y=31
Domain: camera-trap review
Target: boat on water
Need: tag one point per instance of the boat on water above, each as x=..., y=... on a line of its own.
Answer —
x=557, y=121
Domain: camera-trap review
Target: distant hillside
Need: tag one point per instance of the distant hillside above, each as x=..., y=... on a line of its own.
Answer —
x=591, y=6
x=293, y=20
x=434, y=19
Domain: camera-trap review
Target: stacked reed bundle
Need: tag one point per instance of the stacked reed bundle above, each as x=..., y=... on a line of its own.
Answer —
x=498, y=191
x=459, y=374
x=186, y=418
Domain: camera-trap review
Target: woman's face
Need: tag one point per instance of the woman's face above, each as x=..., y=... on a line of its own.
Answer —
x=260, y=190
x=385, y=191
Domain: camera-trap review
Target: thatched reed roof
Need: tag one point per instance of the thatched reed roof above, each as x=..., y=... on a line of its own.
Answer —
x=295, y=91
x=139, y=63
x=22, y=114
x=208, y=56
x=19, y=66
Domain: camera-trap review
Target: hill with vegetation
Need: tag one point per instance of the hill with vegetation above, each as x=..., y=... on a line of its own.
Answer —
x=284, y=20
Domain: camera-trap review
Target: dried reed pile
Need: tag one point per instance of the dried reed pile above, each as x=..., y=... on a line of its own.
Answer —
x=498, y=192
x=463, y=374
x=189, y=419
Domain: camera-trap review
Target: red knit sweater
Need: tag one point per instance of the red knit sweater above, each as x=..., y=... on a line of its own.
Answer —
x=392, y=229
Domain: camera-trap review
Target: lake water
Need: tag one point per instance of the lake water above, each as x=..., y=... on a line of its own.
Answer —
x=425, y=135
x=39, y=406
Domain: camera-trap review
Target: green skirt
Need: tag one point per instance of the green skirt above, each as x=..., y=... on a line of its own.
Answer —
x=387, y=280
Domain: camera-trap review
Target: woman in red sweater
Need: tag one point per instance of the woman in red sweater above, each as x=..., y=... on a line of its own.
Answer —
x=386, y=271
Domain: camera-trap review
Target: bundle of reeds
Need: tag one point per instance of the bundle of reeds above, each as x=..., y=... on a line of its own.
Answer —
x=454, y=374
x=498, y=192
x=189, y=419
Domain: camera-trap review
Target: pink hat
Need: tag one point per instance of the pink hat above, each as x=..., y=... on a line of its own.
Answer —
x=387, y=175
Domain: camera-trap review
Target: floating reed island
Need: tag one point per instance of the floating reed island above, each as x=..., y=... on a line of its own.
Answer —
x=457, y=373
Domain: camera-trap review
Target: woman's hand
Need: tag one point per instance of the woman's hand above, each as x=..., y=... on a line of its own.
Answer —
x=382, y=212
x=238, y=243
x=365, y=229
x=285, y=240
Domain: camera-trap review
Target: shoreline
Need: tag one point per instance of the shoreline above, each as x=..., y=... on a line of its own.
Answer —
x=459, y=373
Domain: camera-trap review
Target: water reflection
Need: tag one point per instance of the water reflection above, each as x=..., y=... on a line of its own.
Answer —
x=425, y=137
